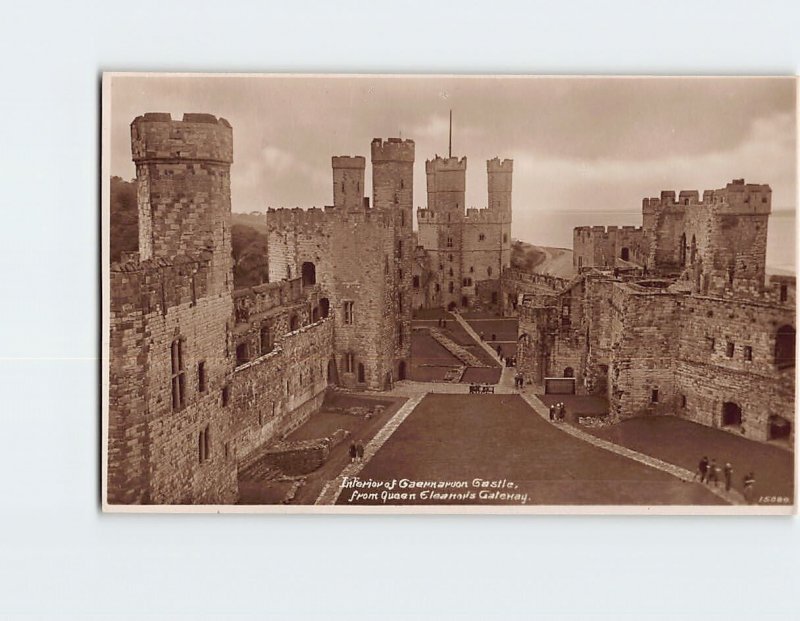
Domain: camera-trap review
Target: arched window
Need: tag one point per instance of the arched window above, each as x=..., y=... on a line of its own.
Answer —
x=324, y=307
x=489, y=271
x=784, y=347
x=683, y=249
x=361, y=373
x=694, y=249
x=309, y=273
x=294, y=323
x=450, y=287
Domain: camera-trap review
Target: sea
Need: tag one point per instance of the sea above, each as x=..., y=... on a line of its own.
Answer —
x=554, y=228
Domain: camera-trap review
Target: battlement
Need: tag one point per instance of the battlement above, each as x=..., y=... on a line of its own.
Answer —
x=736, y=196
x=443, y=164
x=158, y=284
x=358, y=162
x=603, y=230
x=392, y=150
x=498, y=165
x=486, y=216
x=260, y=299
x=315, y=220
x=203, y=137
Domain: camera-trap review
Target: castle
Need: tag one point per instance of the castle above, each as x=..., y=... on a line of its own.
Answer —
x=675, y=316
x=201, y=375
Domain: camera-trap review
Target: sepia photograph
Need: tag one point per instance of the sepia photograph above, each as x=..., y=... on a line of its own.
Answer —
x=448, y=293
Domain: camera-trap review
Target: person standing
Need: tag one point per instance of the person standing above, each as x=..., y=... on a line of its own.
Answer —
x=360, y=452
x=552, y=412
x=713, y=472
x=702, y=469
x=353, y=452
x=749, y=484
x=728, y=471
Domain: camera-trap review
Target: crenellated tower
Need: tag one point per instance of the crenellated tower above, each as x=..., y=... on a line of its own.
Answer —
x=183, y=187
x=348, y=182
x=393, y=194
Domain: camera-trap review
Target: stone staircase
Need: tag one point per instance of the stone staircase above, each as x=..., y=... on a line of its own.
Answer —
x=468, y=358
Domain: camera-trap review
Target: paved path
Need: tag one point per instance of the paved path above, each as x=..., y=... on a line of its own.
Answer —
x=476, y=337
x=733, y=497
x=331, y=491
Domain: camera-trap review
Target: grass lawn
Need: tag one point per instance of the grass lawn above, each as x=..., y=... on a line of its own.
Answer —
x=501, y=329
x=481, y=376
x=684, y=443
x=463, y=437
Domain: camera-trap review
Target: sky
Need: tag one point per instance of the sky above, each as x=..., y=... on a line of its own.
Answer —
x=585, y=150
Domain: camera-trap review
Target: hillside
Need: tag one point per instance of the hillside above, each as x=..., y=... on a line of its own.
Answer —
x=542, y=259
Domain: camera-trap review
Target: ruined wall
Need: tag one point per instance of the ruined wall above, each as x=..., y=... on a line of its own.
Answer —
x=643, y=351
x=599, y=246
x=726, y=353
x=516, y=284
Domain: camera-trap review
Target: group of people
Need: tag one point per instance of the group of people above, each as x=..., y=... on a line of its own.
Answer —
x=442, y=322
x=708, y=471
x=558, y=411
x=480, y=389
x=519, y=380
x=356, y=452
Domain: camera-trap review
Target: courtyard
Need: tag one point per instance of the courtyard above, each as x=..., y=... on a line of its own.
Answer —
x=457, y=437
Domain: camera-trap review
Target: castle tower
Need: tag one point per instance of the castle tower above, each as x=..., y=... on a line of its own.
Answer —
x=393, y=193
x=183, y=180
x=499, y=183
x=170, y=366
x=348, y=182
x=500, y=173
x=446, y=181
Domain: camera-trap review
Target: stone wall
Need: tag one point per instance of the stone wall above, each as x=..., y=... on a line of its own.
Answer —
x=277, y=392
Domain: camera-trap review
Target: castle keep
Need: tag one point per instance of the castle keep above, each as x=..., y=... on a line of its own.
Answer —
x=676, y=316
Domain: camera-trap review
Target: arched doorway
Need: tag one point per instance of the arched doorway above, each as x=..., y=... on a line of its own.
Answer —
x=779, y=428
x=324, y=307
x=309, y=274
x=333, y=375
x=294, y=323
x=401, y=370
x=625, y=255
x=451, y=306
x=731, y=414
x=784, y=347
